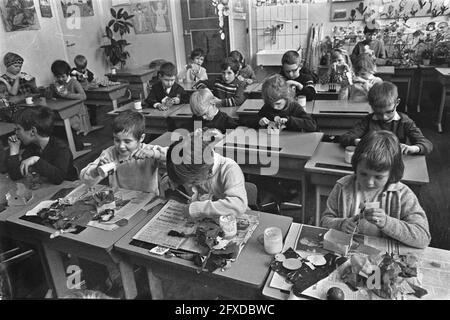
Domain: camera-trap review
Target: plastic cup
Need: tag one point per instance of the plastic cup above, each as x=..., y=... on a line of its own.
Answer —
x=302, y=101
x=349, y=151
x=138, y=105
x=29, y=100
x=228, y=225
x=105, y=169
x=273, y=240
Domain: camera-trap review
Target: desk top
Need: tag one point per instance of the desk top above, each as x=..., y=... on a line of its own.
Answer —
x=132, y=72
x=443, y=71
x=55, y=104
x=292, y=144
x=254, y=87
x=107, y=88
x=6, y=128
x=385, y=70
x=324, y=88
x=147, y=112
x=185, y=112
x=251, y=268
x=436, y=280
x=340, y=108
x=252, y=106
x=328, y=153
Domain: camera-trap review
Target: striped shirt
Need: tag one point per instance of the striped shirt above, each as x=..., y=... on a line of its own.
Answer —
x=230, y=94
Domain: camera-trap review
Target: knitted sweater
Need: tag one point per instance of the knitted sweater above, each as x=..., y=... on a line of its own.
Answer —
x=158, y=93
x=404, y=128
x=230, y=94
x=298, y=119
x=131, y=174
x=224, y=189
x=406, y=220
x=27, y=84
x=307, y=80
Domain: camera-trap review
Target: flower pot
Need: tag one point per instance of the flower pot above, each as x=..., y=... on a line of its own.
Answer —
x=426, y=62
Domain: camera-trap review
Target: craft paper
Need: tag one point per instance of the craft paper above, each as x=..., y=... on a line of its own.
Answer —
x=19, y=15
x=80, y=8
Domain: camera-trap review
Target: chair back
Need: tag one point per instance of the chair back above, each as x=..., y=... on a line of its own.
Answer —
x=252, y=195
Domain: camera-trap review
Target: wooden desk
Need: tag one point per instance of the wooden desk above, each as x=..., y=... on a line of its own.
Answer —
x=6, y=128
x=182, y=118
x=404, y=75
x=65, y=109
x=137, y=78
x=339, y=113
x=156, y=121
x=436, y=280
x=385, y=72
x=106, y=96
x=281, y=156
x=254, y=90
x=244, y=280
x=323, y=93
x=444, y=79
x=426, y=73
x=248, y=111
x=187, y=86
x=92, y=243
x=332, y=155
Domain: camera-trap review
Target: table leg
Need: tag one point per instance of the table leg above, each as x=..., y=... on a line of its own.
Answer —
x=75, y=153
x=441, y=108
x=144, y=87
x=128, y=280
x=57, y=271
x=155, y=285
x=114, y=103
x=317, y=205
x=419, y=98
x=303, y=197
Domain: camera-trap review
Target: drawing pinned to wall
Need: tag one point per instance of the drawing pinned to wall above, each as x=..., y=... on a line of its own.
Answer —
x=340, y=14
x=150, y=17
x=46, y=10
x=19, y=15
x=82, y=7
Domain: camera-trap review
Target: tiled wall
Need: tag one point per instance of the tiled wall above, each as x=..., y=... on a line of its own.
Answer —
x=292, y=35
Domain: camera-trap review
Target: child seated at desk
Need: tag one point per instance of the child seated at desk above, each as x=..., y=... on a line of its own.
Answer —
x=378, y=166
x=364, y=79
x=194, y=72
x=297, y=76
x=204, y=110
x=43, y=153
x=136, y=162
x=66, y=87
x=228, y=88
x=340, y=72
x=81, y=73
x=166, y=92
x=383, y=98
x=371, y=45
x=216, y=183
x=14, y=82
x=280, y=106
x=246, y=73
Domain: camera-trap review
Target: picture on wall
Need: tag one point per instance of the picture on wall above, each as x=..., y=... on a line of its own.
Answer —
x=150, y=17
x=19, y=15
x=46, y=10
x=82, y=7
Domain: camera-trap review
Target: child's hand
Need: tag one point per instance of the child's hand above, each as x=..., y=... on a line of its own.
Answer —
x=241, y=78
x=161, y=106
x=14, y=145
x=409, y=149
x=263, y=122
x=27, y=163
x=176, y=100
x=357, y=141
x=377, y=216
x=144, y=154
x=298, y=85
x=279, y=120
x=349, y=224
x=249, y=81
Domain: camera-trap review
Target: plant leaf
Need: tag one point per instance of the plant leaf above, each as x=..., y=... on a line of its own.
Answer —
x=113, y=13
x=111, y=22
x=116, y=27
x=120, y=13
x=109, y=33
x=130, y=17
x=129, y=24
x=125, y=15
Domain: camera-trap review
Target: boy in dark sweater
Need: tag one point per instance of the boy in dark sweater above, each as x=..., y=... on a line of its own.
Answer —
x=204, y=110
x=383, y=98
x=48, y=156
x=166, y=92
x=81, y=72
x=297, y=76
x=280, y=107
x=228, y=88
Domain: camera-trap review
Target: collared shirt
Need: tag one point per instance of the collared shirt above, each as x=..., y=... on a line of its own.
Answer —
x=396, y=117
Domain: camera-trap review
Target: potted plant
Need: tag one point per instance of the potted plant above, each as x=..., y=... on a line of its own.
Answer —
x=427, y=54
x=115, y=50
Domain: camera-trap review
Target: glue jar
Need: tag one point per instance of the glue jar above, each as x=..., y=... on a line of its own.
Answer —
x=228, y=225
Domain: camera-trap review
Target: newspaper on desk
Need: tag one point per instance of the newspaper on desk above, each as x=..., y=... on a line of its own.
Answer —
x=433, y=270
x=171, y=217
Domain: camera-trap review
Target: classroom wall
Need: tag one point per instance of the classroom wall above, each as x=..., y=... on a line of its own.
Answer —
x=41, y=47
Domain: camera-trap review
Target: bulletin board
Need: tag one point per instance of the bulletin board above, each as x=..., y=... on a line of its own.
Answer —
x=351, y=10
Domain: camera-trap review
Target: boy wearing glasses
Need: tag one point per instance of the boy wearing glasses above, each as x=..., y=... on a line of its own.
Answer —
x=383, y=98
x=297, y=76
x=370, y=45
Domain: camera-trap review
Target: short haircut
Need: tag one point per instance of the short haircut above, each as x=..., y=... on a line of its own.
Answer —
x=291, y=57
x=382, y=94
x=41, y=118
x=381, y=151
x=80, y=61
x=190, y=160
x=231, y=63
x=238, y=57
x=197, y=52
x=201, y=100
x=168, y=69
x=276, y=88
x=130, y=121
x=364, y=63
x=60, y=67
x=370, y=30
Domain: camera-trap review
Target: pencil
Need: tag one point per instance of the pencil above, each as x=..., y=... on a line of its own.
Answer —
x=183, y=194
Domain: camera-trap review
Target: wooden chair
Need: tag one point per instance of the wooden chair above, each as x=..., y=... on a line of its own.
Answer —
x=252, y=195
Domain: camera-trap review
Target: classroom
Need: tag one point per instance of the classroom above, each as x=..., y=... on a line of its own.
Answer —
x=225, y=150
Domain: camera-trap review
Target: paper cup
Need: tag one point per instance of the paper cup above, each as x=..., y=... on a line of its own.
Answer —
x=105, y=169
x=302, y=101
x=138, y=105
x=349, y=151
x=29, y=100
x=228, y=225
x=273, y=240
